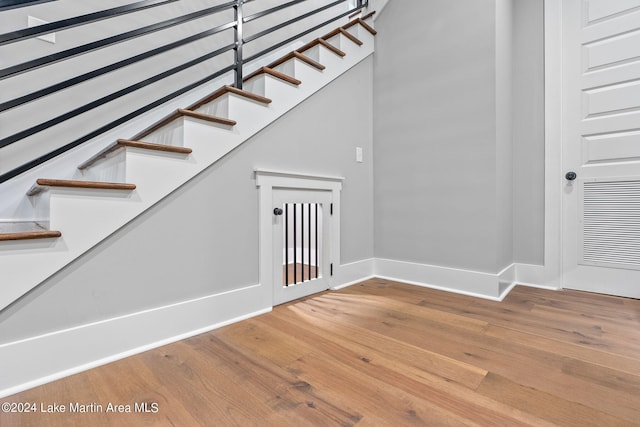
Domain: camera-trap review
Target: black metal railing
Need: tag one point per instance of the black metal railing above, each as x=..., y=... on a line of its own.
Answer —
x=302, y=243
x=14, y=4
x=241, y=38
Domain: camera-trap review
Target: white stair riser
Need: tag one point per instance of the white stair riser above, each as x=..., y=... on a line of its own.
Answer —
x=361, y=34
x=324, y=56
x=169, y=134
x=110, y=169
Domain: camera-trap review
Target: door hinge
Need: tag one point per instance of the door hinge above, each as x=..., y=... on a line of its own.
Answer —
x=331, y=269
x=331, y=209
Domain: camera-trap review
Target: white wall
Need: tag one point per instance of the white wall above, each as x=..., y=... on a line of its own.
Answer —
x=203, y=239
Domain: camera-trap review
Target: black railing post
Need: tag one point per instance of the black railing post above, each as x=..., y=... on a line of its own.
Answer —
x=238, y=39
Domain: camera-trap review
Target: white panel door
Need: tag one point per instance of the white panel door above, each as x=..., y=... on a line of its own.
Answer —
x=601, y=146
x=301, y=243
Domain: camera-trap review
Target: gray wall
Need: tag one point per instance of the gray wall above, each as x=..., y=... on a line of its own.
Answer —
x=528, y=131
x=504, y=118
x=435, y=134
x=203, y=239
x=457, y=109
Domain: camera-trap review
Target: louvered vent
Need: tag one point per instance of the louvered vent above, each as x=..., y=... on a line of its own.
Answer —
x=611, y=224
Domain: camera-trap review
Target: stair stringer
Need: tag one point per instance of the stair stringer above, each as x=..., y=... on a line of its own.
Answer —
x=86, y=216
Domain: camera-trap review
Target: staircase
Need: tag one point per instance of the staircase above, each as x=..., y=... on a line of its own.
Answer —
x=123, y=180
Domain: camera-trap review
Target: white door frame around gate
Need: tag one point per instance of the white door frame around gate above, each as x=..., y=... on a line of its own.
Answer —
x=266, y=181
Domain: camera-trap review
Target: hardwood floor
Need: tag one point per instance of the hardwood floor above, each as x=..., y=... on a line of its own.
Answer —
x=379, y=353
x=299, y=273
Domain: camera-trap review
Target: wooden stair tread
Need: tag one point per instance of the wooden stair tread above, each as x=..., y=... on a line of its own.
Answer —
x=274, y=73
x=121, y=143
x=297, y=55
x=345, y=33
x=323, y=43
x=331, y=47
x=368, y=15
x=69, y=183
x=148, y=131
x=153, y=146
x=202, y=116
x=228, y=89
x=25, y=231
x=248, y=95
x=364, y=25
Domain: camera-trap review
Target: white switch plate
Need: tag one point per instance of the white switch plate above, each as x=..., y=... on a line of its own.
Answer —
x=359, y=154
x=34, y=22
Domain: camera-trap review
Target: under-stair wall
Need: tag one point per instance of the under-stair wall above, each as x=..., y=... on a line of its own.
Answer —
x=446, y=215
x=191, y=262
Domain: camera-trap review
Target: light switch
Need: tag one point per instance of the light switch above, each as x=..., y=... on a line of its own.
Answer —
x=359, y=154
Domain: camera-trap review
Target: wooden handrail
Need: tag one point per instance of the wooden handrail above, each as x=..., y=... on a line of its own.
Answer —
x=274, y=73
x=202, y=116
x=154, y=146
x=68, y=183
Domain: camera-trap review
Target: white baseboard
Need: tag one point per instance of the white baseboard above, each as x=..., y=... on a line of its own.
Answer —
x=536, y=276
x=38, y=360
x=352, y=273
x=466, y=282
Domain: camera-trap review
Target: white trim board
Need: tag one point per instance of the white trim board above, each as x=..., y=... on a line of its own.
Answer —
x=45, y=358
x=466, y=282
x=352, y=273
x=38, y=360
x=267, y=181
x=550, y=275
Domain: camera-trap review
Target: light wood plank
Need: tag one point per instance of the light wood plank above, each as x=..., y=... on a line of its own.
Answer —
x=382, y=353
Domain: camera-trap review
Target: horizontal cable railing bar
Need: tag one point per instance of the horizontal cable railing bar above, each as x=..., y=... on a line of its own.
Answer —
x=79, y=50
x=15, y=4
x=236, y=66
x=109, y=68
x=291, y=21
x=76, y=21
x=55, y=153
x=105, y=99
x=297, y=36
x=272, y=10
